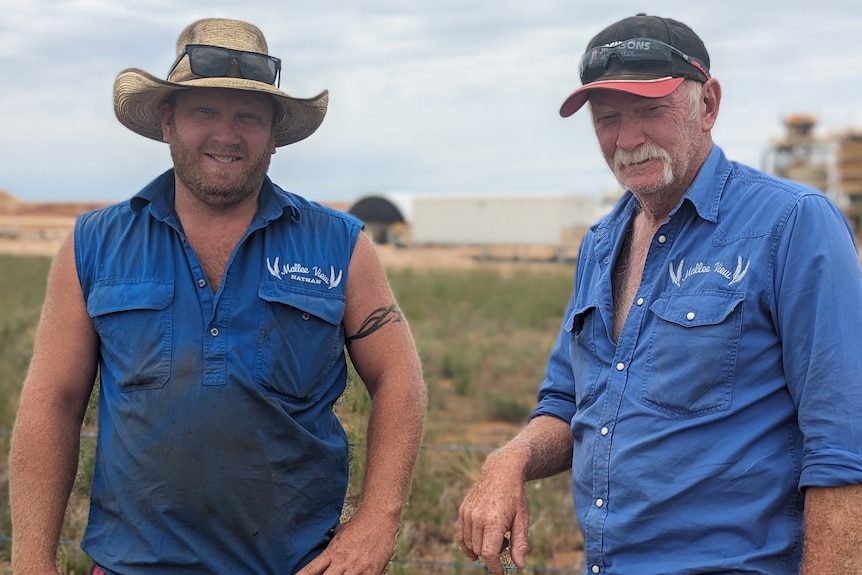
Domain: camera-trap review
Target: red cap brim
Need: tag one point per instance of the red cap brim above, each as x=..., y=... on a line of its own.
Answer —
x=657, y=88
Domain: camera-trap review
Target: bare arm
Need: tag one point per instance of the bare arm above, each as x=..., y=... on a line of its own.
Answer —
x=497, y=503
x=833, y=530
x=382, y=350
x=44, y=454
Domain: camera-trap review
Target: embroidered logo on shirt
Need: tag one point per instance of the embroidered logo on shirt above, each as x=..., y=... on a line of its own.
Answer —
x=300, y=273
x=678, y=276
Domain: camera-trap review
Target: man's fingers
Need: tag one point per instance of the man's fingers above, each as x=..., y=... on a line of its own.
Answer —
x=316, y=566
x=493, y=564
x=492, y=543
x=484, y=531
x=464, y=531
x=518, y=545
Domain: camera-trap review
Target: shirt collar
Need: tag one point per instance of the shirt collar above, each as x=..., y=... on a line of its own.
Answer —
x=159, y=196
x=706, y=189
x=704, y=193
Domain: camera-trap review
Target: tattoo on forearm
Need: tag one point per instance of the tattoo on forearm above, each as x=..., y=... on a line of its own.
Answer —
x=376, y=320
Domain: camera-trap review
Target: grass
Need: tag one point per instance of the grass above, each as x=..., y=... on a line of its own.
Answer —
x=483, y=335
x=22, y=289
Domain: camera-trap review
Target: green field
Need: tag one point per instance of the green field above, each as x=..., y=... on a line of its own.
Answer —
x=483, y=334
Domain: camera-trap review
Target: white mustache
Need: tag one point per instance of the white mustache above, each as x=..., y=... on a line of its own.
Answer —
x=642, y=154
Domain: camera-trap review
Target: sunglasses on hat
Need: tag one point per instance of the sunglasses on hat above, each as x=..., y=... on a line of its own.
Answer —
x=640, y=53
x=215, y=61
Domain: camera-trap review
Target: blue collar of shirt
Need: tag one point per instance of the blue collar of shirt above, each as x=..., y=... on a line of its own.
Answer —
x=158, y=196
x=706, y=189
x=703, y=194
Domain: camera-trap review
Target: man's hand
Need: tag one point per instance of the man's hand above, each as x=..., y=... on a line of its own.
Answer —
x=497, y=503
x=494, y=507
x=356, y=548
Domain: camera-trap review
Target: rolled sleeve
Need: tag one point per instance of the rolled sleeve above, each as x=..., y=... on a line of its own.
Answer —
x=819, y=306
x=557, y=393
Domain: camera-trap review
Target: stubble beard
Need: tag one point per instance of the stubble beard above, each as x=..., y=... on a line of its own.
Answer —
x=218, y=188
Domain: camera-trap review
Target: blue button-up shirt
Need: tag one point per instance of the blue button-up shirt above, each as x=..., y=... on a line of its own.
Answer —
x=218, y=448
x=735, y=384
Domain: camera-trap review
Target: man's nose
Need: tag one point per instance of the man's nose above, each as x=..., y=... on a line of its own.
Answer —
x=631, y=133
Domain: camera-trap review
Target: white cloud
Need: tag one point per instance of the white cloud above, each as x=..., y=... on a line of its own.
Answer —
x=425, y=96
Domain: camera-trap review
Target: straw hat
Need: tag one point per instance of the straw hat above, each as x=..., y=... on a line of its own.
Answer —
x=138, y=95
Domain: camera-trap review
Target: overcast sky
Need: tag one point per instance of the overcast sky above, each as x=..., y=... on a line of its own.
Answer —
x=425, y=96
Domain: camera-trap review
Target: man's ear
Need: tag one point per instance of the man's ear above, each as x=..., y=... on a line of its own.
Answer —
x=711, y=102
x=166, y=111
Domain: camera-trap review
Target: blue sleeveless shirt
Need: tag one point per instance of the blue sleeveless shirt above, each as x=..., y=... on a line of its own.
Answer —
x=218, y=448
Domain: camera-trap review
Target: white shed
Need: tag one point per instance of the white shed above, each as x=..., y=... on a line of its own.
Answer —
x=523, y=219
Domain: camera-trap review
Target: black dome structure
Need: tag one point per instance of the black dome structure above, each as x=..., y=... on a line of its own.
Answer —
x=381, y=215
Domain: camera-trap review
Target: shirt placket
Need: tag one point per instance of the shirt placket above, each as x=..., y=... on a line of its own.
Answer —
x=215, y=313
x=617, y=382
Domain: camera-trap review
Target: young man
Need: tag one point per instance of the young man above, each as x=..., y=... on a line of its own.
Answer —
x=705, y=388
x=215, y=308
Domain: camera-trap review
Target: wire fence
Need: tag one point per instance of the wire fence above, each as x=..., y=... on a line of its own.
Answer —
x=424, y=566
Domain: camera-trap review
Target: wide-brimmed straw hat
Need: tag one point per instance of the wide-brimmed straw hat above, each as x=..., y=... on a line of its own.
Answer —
x=138, y=94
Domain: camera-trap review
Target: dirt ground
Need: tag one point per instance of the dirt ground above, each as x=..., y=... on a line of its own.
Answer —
x=390, y=256
x=38, y=228
x=41, y=234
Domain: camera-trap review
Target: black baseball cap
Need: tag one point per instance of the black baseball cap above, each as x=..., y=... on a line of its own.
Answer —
x=643, y=55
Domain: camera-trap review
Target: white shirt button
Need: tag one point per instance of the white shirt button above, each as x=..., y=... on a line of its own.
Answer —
x=621, y=366
x=202, y=282
x=640, y=301
x=605, y=431
x=214, y=331
x=595, y=569
x=600, y=502
x=689, y=316
x=662, y=239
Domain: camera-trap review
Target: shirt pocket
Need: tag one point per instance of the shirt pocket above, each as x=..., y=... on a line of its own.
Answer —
x=134, y=321
x=581, y=326
x=692, y=353
x=300, y=340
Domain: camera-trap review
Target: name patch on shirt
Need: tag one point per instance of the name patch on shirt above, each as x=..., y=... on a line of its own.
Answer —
x=299, y=272
x=681, y=273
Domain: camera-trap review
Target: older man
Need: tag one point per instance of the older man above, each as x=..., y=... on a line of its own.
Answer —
x=706, y=386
